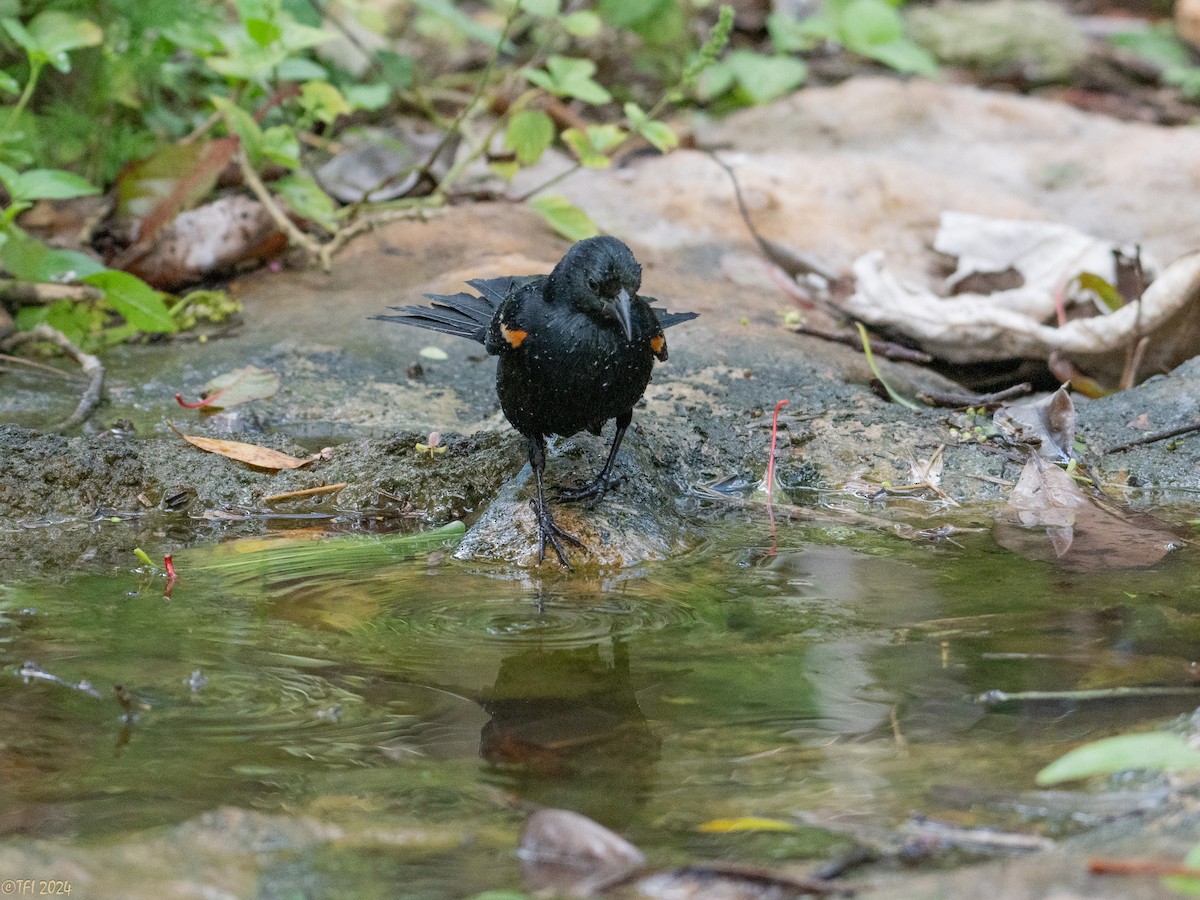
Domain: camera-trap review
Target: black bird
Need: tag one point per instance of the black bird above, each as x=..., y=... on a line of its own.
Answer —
x=575, y=347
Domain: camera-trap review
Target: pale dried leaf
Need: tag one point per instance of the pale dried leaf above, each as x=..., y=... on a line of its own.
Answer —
x=1020, y=323
x=251, y=454
x=1047, y=424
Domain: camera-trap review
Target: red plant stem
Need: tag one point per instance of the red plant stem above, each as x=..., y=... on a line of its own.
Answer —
x=771, y=459
x=169, y=565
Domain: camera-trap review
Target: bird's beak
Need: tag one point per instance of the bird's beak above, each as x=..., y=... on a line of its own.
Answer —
x=621, y=311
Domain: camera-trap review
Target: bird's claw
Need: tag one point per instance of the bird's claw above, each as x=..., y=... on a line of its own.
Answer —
x=549, y=533
x=593, y=491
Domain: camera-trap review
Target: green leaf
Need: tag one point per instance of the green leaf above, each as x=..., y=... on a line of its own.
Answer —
x=396, y=68
x=297, y=68
x=791, y=35
x=564, y=217
x=582, y=24
x=241, y=123
x=625, y=13
x=140, y=304
x=1154, y=750
x=569, y=77
x=903, y=56
x=715, y=81
x=55, y=33
x=660, y=134
x=28, y=259
x=263, y=32
x=1157, y=44
x=528, y=135
x=764, y=78
x=306, y=199
x=53, y=184
x=506, y=169
x=592, y=146
x=543, y=9
x=281, y=145
x=8, y=84
x=1108, y=294
x=370, y=97
x=18, y=33
x=322, y=101
x=867, y=23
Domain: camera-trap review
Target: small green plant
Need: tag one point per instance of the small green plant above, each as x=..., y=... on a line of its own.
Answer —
x=870, y=28
x=1161, y=45
x=48, y=39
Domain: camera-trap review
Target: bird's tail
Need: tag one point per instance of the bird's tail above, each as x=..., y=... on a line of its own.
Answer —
x=463, y=315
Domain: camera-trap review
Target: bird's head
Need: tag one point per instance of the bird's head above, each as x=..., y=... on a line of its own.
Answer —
x=600, y=277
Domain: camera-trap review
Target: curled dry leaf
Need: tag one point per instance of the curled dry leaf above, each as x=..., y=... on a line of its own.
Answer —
x=1020, y=323
x=213, y=238
x=1048, y=424
x=251, y=454
x=570, y=855
x=1049, y=517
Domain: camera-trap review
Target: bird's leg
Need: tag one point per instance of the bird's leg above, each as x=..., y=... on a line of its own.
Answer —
x=605, y=481
x=548, y=531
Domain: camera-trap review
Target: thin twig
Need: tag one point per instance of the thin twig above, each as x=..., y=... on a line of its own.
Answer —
x=352, y=230
x=886, y=349
x=295, y=235
x=1154, y=438
x=29, y=292
x=307, y=492
x=33, y=364
x=455, y=126
x=951, y=399
x=994, y=698
x=91, y=365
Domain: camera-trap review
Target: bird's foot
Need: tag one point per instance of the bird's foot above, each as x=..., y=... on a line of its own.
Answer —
x=593, y=491
x=549, y=533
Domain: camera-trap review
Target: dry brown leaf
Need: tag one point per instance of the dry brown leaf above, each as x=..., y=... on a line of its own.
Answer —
x=251, y=454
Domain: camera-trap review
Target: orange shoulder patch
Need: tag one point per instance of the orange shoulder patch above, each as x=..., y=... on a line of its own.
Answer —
x=514, y=336
x=658, y=344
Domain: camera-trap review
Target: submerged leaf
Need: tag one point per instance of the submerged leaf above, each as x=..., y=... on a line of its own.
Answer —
x=744, y=823
x=1081, y=534
x=570, y=855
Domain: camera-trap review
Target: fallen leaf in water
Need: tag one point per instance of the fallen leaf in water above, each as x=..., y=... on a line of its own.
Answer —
x=725, y=881
x=568, y=854
x=744, y=823
x=1047, y=424
x=251, y=454
x=1080, y=534
x=234, y=388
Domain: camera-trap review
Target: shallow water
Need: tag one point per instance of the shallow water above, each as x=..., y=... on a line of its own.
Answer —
x=421, y=706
